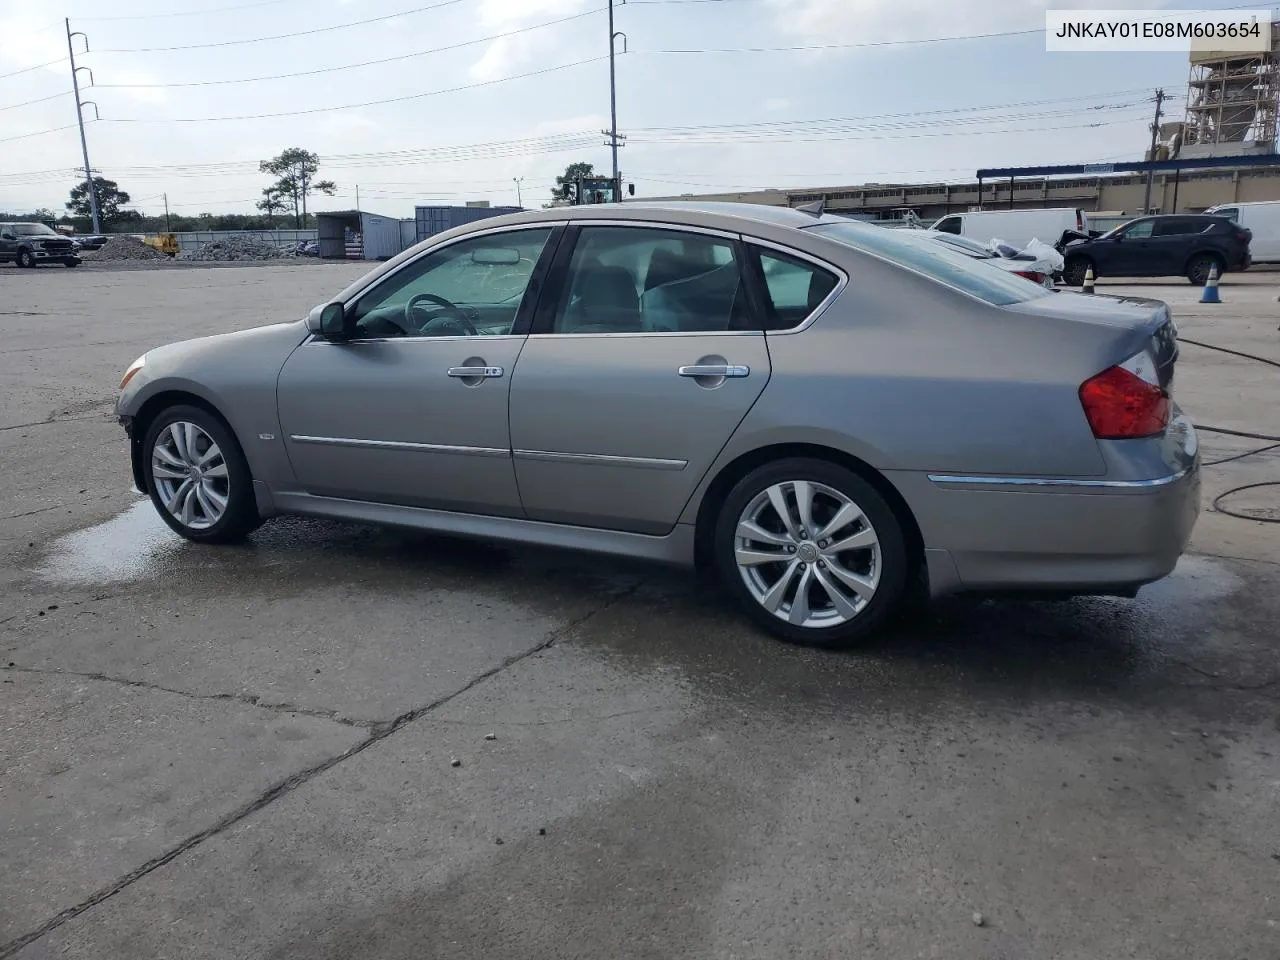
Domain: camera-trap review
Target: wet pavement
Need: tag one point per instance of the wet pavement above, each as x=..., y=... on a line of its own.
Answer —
x=251, y=751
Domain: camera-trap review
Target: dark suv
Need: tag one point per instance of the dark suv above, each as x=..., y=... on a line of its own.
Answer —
x=31, y=244
x=1171, y=245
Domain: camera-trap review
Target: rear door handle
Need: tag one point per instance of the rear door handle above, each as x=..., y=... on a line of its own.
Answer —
x=714, y=370
x=467, y=373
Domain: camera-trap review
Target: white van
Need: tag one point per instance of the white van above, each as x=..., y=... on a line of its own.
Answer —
x=1015, y=227
x=1261, y=217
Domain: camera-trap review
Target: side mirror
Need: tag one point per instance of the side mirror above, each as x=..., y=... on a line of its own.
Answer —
x=329, y=320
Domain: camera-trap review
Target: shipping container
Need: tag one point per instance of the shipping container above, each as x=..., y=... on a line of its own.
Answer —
x=433, y=220
x=359, y=235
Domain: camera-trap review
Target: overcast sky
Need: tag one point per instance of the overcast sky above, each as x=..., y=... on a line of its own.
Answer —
x=466, y=121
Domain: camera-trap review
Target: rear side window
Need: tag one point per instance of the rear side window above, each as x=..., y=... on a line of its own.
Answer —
x=1180, y=226
x=794, y=288
x=937, y=261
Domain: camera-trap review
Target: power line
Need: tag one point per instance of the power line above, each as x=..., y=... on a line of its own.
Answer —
x=285, y=36
x=27, y=103
x=40, y=133
x=349, y=66
x=353, y=106
x=38, y=66
x=847, y=46
x=187, y=13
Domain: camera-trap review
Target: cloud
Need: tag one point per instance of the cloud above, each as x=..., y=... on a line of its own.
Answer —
x=506, y=55
x=777, y=103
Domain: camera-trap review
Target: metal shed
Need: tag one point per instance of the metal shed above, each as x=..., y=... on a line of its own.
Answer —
x=433, y=220
x=358, y=235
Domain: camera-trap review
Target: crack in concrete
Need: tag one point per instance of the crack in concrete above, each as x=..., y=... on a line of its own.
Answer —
x=377, y=733
x=245, y=698
x=52, y=420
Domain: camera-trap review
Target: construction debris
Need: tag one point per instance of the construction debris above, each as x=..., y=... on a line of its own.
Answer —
x=124, y=248
x=238, y=248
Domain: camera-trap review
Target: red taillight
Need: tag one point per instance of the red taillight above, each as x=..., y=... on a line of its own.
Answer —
x=1122, y=402
x=1031, y=275
x=1244, y=236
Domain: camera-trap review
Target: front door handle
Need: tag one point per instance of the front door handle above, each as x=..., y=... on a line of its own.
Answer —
x=715, y=370
x=469, y=373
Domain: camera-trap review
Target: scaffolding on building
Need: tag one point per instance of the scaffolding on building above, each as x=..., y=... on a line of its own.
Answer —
x=1232, y=102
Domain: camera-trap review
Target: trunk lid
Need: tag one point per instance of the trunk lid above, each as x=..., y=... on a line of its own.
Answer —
x=1143, y=324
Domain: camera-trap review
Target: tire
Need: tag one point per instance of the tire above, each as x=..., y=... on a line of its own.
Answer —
x=879, y=560
x=26, y=259
x=1198, y=268
x=225, y=477
x=71, y=263
x=1074, y=270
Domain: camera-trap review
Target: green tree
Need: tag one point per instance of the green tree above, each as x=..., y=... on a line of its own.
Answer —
x=272, y=202
x=110, y=199
x=295, y=170
x=571, y=174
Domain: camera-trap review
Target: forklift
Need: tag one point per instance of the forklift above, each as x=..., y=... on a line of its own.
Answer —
x=590, y=190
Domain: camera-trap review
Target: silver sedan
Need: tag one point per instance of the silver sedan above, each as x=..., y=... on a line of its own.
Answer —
x=831, y=414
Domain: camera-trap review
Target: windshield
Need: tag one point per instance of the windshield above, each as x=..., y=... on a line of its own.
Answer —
x=937, y=261
x=33, y=230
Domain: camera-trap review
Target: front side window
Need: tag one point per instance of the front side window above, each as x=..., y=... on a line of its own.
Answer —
x=795, y=288
x=1231, y=213
x=1138, y=231
x=651, y=280
x=948, y=225
x=937, y=261
x=470, y=288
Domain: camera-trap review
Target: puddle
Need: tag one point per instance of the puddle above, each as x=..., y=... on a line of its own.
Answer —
x=126, y=548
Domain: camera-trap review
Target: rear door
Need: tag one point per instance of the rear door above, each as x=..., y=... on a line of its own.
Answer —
x=644, y=357
x=1173, y=241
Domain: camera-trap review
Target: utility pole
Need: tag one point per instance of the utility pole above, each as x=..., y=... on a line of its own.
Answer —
x=84, y=144
x=519, y=197
x=302, y=172
x=1155, y=133
x=612, y=132
x=357, y=198
x=166, y=213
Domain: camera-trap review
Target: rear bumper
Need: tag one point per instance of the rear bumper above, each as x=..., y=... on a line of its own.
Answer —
x=1002, y=534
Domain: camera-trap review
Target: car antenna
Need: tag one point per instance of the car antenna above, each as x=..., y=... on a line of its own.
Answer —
x=816, y=208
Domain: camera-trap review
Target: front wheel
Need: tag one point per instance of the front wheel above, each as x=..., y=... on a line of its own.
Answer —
x=26, y=258
x=198, y=478
x=812, y=552
x=1199, y=268
x=1073, y=272
x=71, y=263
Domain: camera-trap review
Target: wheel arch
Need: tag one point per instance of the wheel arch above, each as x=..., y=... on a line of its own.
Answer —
x=1209, y=252
x=151, y=408
x=735, y=470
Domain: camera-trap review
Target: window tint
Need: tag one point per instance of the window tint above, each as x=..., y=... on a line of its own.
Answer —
x=1180, y=226
x=948, y=225
x=1139, y=230
x=470, y=288
x=33, y=230
x=646, y=280
x=794, y=287
x=936, y=261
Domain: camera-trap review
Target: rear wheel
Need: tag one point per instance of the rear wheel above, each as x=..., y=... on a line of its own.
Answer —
x=1198, y=268
x=198, y=478
x=1074, y=270
x=812, y=552
x=71, y=263
x=26, y=258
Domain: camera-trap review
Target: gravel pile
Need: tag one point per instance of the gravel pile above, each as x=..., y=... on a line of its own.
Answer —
x=238, y=248
x=124, y=248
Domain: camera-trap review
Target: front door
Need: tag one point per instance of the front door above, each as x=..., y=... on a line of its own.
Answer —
x=410, y=407
x=1133, y=255
x=638, y=370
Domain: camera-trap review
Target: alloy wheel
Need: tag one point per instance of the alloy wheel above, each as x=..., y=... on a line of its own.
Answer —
x=190, y=475
x=808, y=554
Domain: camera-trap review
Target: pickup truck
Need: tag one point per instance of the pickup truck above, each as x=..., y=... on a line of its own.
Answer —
x=31, y=244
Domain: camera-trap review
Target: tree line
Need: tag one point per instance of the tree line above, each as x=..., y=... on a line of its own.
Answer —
x=283, y=203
